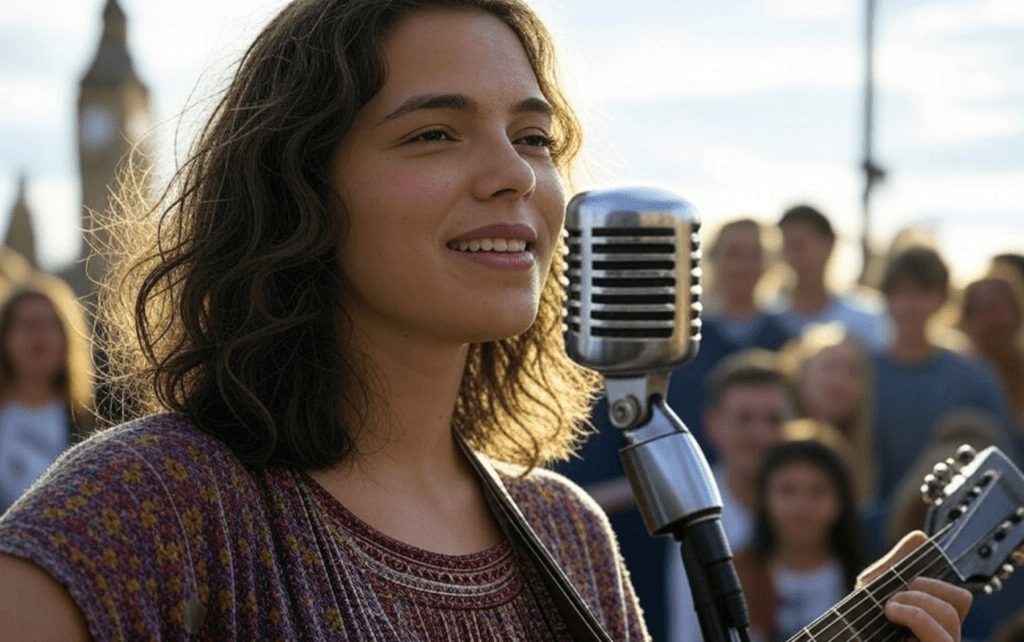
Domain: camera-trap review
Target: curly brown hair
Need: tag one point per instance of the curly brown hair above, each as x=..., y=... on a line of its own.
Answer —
x=233, y=313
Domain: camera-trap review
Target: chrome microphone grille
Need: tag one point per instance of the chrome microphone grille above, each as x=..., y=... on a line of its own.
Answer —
x=633, y=295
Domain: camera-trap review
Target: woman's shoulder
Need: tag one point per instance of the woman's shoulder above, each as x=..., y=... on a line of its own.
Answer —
x=543, y=495
x=139, y=522
x=160, y=456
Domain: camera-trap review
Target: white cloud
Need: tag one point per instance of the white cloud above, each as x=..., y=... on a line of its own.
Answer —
x=937, y=19
x=34, y=102
x=812, y=10
x=673, y=65
x=963, y=87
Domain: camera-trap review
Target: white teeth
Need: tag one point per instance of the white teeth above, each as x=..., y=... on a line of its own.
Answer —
x=490, y=245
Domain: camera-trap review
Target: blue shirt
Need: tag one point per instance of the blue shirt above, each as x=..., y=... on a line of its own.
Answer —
x=911, y=398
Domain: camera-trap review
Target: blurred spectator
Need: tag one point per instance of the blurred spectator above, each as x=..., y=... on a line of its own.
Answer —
x=748, y=404
x=831, y=377
x=917, y=382
x=962, y=426
x=992, y=317
x=807, y=243
x=804, y=554
x=737, y=262
x=1009, y=263
x=980, y=430
x=45, y=381
x=14, y=268
x=1012, y=630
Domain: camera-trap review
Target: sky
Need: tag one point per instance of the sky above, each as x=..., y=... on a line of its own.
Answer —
x=745, y=107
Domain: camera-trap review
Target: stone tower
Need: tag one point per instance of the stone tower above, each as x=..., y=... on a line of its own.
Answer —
x=113, y=115
x=20, y=235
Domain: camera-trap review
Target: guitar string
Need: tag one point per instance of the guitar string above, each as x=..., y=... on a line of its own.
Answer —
x=896, y=631
x=866, y=597
x=908, y=562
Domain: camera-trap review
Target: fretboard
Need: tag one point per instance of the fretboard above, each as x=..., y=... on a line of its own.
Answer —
x=860, y=615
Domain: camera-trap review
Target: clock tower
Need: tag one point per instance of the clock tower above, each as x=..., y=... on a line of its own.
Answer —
x=113, y=116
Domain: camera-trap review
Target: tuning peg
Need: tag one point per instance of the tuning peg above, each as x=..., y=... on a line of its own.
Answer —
x=994, y=585
x=1005, y=571
x=932, y=489
x=943, y=472
x=1003, y=530
x=965, y=454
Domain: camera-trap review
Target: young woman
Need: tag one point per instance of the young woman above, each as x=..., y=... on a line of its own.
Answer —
x=45, y=383
x=831, y=377
x=804, y=553
x=357, y=277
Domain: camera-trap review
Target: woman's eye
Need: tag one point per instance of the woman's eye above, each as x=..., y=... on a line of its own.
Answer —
x=538, y=140
x=432, y=135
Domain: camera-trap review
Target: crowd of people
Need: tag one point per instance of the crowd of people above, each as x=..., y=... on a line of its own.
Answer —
x=339, y=335
x=821, y=412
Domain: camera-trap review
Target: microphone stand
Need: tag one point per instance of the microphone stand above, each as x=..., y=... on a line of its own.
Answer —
x=677, y=495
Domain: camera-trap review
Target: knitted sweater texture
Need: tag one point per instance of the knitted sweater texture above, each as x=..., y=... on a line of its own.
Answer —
x=159, y=533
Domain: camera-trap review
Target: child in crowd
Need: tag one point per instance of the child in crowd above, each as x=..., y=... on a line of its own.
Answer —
x=804, y=553
x=992, y=317
x=831, y=377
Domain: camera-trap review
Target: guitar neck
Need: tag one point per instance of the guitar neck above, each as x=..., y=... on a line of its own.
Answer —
x=860, y=615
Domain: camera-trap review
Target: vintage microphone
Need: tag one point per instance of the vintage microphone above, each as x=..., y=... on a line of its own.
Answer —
x=633, y=314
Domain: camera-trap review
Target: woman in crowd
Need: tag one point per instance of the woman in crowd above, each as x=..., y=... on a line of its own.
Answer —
x=45, y=382
x=353, y=307
x=831, y=377
x=992, y=317
x=804, y=553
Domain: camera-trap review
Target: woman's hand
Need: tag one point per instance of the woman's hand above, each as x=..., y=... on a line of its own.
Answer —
x=931, y=609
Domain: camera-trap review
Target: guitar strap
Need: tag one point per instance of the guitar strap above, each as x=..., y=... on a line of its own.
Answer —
x=574, y=611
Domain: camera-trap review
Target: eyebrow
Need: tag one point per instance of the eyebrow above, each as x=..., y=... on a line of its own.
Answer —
x=461, y=102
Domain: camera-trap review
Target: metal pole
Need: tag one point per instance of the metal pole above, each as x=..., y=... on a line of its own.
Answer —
x=873, y=174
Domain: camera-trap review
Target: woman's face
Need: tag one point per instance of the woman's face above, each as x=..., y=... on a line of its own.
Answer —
x=802, y=504
x=994, y=322
x=832, y=384
x=738, y=261
x=454, y=203
x=35, y=343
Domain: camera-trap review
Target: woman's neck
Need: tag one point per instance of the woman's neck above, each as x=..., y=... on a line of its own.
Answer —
x=407, y=477
x=31, y=392
x=409, y=431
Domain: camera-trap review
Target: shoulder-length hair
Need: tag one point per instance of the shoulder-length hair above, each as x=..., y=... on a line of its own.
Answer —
x=73, y=381
x=857, y=427
x=844, y=538
x=234, y=313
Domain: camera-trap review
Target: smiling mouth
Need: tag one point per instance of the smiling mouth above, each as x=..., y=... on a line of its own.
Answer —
x=509, y=246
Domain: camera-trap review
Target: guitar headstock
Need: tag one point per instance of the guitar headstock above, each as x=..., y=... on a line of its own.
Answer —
x=977, y=515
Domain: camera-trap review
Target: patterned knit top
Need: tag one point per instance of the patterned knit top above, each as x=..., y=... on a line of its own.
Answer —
x=159, y=533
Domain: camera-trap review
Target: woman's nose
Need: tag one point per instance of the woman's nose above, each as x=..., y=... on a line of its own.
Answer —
x=503, y=172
